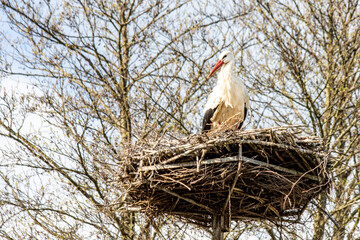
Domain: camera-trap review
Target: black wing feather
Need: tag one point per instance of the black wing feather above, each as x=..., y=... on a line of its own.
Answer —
x=241, y=123
x=207, y=119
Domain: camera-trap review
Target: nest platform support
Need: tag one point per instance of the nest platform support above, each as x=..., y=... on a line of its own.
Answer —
x=213, y=179
x=219, y=226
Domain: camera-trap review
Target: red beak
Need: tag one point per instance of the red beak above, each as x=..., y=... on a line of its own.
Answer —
x=217, y=66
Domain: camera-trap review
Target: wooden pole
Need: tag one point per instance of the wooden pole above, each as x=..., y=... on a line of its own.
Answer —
x=216, y=226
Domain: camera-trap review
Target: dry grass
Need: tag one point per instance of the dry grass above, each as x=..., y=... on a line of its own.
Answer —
x=276, y=174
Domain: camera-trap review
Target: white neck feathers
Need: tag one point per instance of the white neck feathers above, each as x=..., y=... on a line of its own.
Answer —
x=227, y=73
x=229, y=90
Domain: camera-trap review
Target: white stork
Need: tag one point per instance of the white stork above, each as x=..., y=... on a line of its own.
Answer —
x=228, y=103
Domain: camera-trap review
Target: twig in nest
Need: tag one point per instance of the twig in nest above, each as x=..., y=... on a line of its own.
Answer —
x=188, y=200
x=235, y=179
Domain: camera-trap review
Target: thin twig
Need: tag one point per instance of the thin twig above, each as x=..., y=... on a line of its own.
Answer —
x=327, y=214
x=187, y=199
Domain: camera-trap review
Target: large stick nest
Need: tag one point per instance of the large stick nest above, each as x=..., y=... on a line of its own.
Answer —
x=268, y=174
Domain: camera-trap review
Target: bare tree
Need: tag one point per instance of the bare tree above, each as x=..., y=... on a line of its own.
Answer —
x=307, y=70
x=108, y=73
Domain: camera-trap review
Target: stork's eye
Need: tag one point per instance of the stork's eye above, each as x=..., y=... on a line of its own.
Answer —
x=224, y=56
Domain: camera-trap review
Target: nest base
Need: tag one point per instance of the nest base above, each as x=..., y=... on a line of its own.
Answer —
x=268, y=174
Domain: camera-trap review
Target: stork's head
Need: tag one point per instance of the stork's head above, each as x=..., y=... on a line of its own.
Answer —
x=224, y=58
